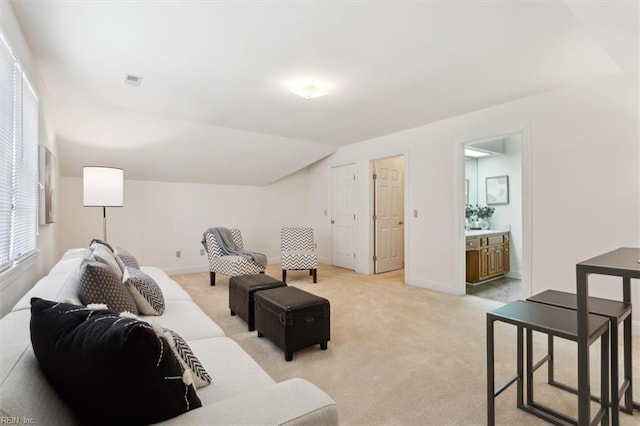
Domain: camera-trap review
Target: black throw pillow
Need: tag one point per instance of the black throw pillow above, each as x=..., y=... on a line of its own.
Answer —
x=110, y=368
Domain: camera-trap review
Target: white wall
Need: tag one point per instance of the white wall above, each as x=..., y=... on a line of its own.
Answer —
x=20, y=279
x=506, y=215
x=159, y=218
x=471, y=174
x=583, y=149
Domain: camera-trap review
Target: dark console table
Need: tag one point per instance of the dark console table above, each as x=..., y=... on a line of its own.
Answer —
x=622, y=262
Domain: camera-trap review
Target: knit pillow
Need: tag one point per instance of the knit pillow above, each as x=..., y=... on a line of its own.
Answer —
x=127, y=258
x=111, y=369
x=145, y=292
x=99, y=284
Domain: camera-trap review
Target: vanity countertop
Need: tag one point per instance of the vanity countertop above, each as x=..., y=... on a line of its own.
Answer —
x=479, y=233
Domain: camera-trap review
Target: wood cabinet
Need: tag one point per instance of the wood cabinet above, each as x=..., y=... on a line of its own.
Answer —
x=487, y=256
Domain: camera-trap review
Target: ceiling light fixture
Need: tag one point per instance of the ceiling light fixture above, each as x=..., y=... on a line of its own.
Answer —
x=475, y=153
x=309, y=91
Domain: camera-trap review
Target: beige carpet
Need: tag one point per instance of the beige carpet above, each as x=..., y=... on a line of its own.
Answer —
x=402, y=355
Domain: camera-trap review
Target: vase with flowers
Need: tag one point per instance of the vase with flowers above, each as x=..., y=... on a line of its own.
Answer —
x=478, y=217
x=484, y=214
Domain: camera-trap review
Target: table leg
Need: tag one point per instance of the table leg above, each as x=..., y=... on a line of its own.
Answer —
x=584, y=389
x=520, y=402
x=628, y=367
x=491, y=419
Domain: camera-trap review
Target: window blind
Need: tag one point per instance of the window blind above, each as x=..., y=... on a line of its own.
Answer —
x=18, y=162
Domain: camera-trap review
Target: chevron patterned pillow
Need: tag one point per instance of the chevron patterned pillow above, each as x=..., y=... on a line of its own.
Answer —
x=145, y=292
x=127, y=258
x=189, y=361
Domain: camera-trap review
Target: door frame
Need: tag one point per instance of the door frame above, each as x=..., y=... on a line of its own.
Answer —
x=372, y=226
x=527, y=274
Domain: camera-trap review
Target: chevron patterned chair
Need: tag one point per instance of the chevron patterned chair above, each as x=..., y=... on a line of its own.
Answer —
x=298, y=251
x=229, y=265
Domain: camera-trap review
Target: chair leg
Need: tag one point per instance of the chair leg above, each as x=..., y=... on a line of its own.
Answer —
x=284, y=275
x=315, y=275
x=310, y=271
x=212, y=278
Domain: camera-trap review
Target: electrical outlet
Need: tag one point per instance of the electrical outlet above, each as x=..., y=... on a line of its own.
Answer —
x=178, y=253
x=201, y=252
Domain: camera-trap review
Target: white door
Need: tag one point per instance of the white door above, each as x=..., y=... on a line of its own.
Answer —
x=343, y=215
x=389, y=214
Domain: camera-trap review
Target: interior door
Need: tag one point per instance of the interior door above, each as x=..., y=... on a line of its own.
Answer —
x=389, y=214
x=343, y=215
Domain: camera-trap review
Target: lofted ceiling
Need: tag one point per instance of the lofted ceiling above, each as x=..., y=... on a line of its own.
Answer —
x=214, y=105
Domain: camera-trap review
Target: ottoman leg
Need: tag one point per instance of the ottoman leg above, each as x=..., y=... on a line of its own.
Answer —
x=260, y=334
x=323, y=346
x=284, y=275
x=288, y=356
x=315, y=275
x=212, y=278
x=233, y=314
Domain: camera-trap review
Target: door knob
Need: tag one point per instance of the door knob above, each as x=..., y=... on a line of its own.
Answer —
x=401, y=223
x=333, y=221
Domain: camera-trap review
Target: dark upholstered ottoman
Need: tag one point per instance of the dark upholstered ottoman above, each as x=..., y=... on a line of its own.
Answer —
x=241, y=293
x=292, y=319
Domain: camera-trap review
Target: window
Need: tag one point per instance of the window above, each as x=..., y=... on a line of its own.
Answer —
x=18, y=162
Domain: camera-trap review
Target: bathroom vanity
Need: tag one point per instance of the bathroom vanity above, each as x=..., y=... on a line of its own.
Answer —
x=487, y=254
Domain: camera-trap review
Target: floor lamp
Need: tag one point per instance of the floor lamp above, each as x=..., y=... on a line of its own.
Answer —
x=103, y=187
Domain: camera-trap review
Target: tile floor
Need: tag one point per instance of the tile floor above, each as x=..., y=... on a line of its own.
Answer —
x=503, y=290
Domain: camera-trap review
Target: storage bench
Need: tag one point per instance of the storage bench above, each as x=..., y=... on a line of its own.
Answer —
x=242, y=289
x=292, y=319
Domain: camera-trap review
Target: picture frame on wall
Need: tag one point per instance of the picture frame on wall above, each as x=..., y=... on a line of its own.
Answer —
x=48, y=171
x=497, y=190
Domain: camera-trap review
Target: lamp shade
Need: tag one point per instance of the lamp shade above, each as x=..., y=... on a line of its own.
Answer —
x=102, y=186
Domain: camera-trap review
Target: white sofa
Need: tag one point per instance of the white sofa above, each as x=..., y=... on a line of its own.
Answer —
x=241, y=393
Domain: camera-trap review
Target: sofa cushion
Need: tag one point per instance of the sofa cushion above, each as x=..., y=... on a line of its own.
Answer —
x=171, y=289
x=233, y=370
x=188, y=320
x=127, y=258
x=145, y=292
x=110, y=368
x=98, y=284
x=187, y=358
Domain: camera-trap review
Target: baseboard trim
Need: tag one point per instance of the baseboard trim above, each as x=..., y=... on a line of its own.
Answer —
x=514, y=274
x=430, y=285
x=186, y=269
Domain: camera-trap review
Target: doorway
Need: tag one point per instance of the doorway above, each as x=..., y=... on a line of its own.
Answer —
x=343, y=216
x=388, y=214
x=494, y=183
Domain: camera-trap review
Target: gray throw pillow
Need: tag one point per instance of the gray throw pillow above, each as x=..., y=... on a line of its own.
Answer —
x=99, y=284
x=104, y=255
x=145, y=292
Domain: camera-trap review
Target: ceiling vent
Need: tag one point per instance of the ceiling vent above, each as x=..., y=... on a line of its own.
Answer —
x=132, y=80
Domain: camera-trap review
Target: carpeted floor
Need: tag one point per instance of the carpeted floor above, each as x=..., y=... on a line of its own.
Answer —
x=402, y=355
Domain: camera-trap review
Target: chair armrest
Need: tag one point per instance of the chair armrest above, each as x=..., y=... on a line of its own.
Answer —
x=292, y=402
